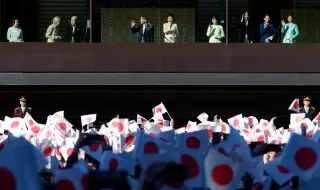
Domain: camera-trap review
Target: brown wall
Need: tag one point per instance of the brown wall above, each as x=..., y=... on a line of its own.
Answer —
x=264, y=58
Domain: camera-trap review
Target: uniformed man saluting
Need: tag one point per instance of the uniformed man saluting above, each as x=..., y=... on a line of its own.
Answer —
x=308, y=109
x=23, y=109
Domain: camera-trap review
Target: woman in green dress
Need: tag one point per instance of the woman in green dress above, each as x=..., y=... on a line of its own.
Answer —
x=290, y=30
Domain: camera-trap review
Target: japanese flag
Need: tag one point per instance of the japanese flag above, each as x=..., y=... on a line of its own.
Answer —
x=294, y=106
x=120, y=126
x=93, y=150
x=86, y=119
x=192, y=126
x=115, y=162
x=153, y=131
x=47, y=148
x=36, y=129
x=128, y=141
x=194, y=142
x=73, y=178
x=278, y=172
x=221, y=173
x=16, y=174
x=308, y=125
x=295, y=118
x=301, y=156
x=203, y=117
x=317, y=118
x=57, y=116
x=67, y=149
x=133, y=126
x=16, y=126
x=63, y=125
x=236, y=122
x=159, y=109
x=29, y=121
x=141, y=120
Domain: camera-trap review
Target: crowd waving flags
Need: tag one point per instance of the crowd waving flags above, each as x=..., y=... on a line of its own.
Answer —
x=206, y=153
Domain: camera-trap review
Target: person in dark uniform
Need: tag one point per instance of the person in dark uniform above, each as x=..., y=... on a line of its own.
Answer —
x=23, y=109
x=308, y=109
x=145, y=29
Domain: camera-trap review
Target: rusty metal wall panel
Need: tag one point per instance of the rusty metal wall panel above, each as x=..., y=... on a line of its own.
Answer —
x=208, y=58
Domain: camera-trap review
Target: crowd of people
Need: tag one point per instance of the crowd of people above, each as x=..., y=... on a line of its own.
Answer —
x=241, y=153
x=145, y=30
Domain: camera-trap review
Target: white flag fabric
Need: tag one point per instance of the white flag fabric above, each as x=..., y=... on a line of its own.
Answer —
x=159, y=109
x=236, y=122
x=294, y=106
x=278, y=172
x=86, y=119
x=203, y=117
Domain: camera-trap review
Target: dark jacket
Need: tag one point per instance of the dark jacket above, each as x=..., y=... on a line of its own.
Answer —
x=246, y=29
x=77, y=34
x=311, y=113
x=266, y=32
x=19, y=113
x=147, y=35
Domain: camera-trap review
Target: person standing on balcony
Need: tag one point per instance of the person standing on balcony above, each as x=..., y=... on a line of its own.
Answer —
x=215, y=31
x=14, y=33
x=74, y=32
x=308, y=109
x=266, y=30
x=52, y=33
x=246, y=29
x=290, y=30
x=23, y=109
x=145, y=29
x=170, y=30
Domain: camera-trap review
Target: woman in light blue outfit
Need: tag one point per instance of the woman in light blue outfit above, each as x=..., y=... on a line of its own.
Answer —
x=290, y=30
x=14, y=33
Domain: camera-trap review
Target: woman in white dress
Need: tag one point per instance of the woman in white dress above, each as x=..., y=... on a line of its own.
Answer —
x=215, y=32
x=14, y=33
x=52, y=33
x=170, y=30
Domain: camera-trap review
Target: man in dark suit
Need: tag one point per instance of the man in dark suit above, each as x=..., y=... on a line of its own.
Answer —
x=246, y=29
x=74, y=32
x=145, y=29
x=308, y=109
x=23, y=109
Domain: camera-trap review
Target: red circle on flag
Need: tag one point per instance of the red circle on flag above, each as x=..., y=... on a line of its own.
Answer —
x=35, y=129
x=8, y=181
x=192, y=164
x=222, y=151
x=94, y=147
x=236, y=122
x=223, y=128
x=113, y=164
x=63, y=126
x=69, y=151
x=296, y=104
x=152, y=134
x=222, y=174
x=159, y=110
x=305, y=158
x=150, y=148
x=120, y=127
x=1, y=147
x=89, y=119
x=261, y=138
x=14, y=124
x=129, y=139
x=56, y=116
x=189, y=126
x=85, y=181
x=65, y=184
x=114, y=123
x=264, y=124
x=245, y=131
x=210, y=133
x=47, y=151
x=31, y=123
x=48, y=134
x=193, y=143
x=250, y=120
x=57, y=151
x=282, y=169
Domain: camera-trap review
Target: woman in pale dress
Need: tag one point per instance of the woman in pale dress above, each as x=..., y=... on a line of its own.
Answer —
x=215, y=31
x=170, y=30
x=14, y=33
x=290, y=30
x=52, y=33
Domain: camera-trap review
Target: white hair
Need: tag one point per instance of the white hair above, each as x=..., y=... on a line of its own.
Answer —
x=74, y=18
x=56, y=20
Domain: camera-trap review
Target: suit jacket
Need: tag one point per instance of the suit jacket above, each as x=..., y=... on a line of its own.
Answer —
x=311, y=113
x=19, y=113
x=147, y=35
x=246, y=29
x=77, y=34
x=266, y=32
